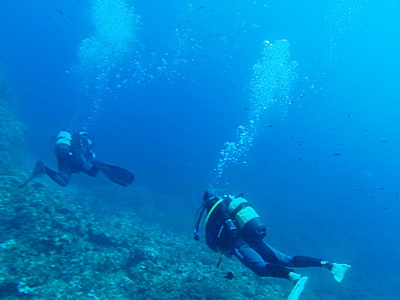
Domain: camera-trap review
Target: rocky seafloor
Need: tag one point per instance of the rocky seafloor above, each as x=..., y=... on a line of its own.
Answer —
x=54, y=245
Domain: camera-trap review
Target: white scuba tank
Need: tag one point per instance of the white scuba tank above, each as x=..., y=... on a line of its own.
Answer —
x=63, y=141
x=246, y=216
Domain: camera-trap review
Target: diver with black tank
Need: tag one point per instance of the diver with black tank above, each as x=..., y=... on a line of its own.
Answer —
x=233, y=227
x=74, y=153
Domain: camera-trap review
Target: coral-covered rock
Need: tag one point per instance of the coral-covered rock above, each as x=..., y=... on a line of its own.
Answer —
x=57, y=246
x=12, y=131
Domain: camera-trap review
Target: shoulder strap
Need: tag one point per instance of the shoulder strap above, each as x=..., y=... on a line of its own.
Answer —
x=212, y=209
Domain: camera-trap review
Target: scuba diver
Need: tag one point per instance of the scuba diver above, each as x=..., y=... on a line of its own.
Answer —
x=74, y=153
x=233, y=227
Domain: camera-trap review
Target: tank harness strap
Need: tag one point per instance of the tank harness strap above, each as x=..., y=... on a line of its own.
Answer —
x=229, y=274
x=212, y=209
x=221, y=255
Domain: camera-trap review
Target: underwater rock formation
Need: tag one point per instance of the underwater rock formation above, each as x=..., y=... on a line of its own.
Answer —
x=55, y=246
x=12, y=131
x=58, y=246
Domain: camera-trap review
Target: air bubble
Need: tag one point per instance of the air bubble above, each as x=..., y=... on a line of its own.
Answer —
x=271, y=82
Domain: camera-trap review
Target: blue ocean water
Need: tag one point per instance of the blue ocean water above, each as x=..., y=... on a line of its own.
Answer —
x=294, y=104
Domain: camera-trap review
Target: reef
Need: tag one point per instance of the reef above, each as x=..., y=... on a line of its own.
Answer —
x=54, y=245
x=11, y=129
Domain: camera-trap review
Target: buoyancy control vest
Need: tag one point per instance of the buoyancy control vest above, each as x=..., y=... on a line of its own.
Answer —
x=219, y=226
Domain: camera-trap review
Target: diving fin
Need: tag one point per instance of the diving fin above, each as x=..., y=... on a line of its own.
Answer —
x=298, y=288
x=115, y=174
x=339, y=270
x=39, y=169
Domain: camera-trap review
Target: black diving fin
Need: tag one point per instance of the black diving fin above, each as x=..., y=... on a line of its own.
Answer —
x=39, y=169
x=115, y=174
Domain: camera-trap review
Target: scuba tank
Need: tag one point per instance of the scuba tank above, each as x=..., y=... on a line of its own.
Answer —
x=62, y=142
x=250, y=223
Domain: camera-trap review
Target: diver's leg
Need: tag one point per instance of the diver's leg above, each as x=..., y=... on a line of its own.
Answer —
x=62, y=178
x=255, y=262
x=272, y=255
x=338, y=270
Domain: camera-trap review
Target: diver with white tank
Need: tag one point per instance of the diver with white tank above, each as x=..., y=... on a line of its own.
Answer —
x=74, y=153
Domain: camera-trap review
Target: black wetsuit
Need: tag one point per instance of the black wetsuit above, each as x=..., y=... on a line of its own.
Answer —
x=257, y=255
x=73, y=159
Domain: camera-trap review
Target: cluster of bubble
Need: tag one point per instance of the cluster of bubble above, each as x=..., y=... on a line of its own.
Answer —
x=101, y=55
x=114, y=34
x=342, y=15
x=270, y=85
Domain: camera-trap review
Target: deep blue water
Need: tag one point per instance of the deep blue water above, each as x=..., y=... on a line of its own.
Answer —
x=323, y=166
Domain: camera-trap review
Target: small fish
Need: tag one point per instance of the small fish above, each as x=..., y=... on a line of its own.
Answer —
x=57, y=8
x=337, y=154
